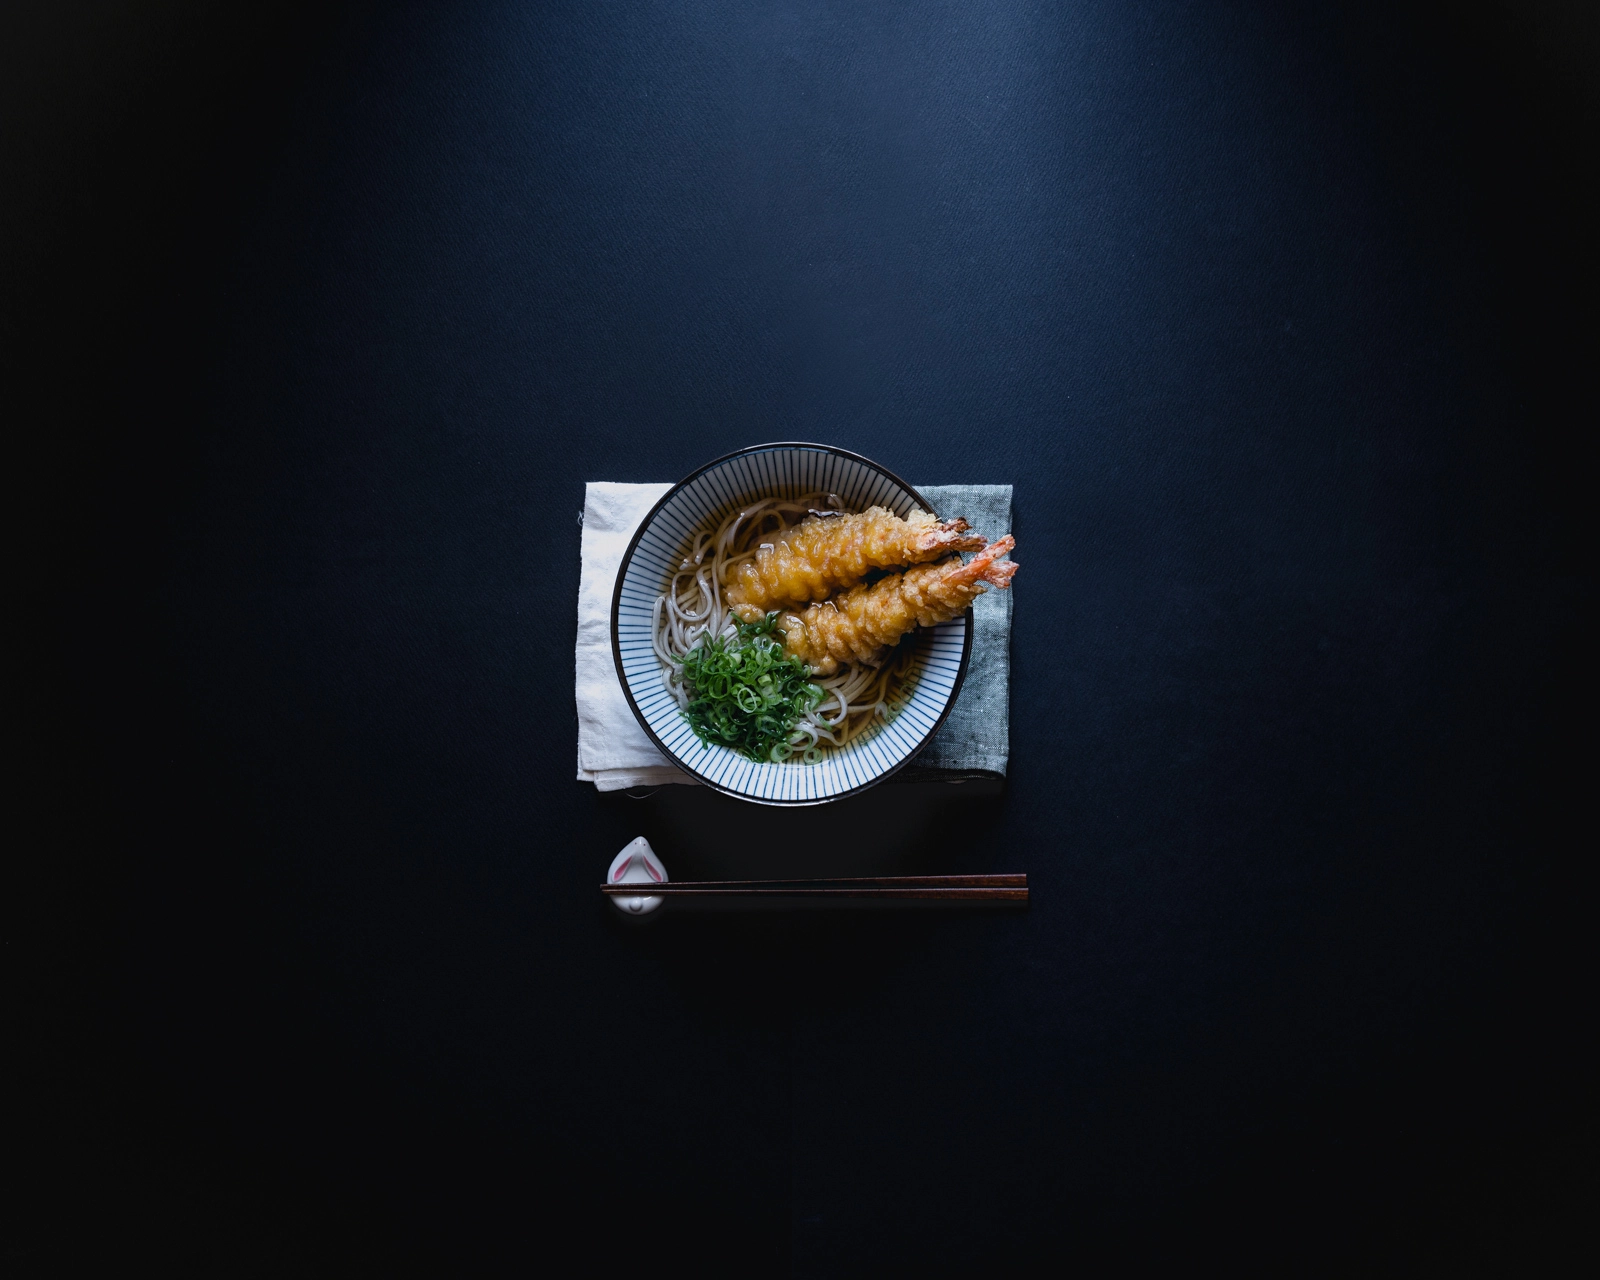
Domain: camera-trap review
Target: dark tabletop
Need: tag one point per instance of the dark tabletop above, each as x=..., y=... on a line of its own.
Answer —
x=1267, y=312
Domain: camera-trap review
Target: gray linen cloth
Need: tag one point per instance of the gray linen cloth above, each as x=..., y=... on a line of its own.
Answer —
x=976, y=739
x=614, y=753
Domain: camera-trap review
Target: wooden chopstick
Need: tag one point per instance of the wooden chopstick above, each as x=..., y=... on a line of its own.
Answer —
x=1006, y=881
x=948, y=895
x=984, y=888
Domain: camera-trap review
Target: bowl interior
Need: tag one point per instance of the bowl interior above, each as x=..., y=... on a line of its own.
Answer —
x=664, y=538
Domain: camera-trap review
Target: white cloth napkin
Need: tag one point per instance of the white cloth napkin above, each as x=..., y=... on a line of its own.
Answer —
x=614, y=752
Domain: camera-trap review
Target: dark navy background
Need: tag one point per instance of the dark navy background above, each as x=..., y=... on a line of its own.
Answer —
x=1268, y=312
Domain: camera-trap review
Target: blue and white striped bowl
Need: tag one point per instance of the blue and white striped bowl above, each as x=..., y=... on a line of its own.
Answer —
x=706, y=498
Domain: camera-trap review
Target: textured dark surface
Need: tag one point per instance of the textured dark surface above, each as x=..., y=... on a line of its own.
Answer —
x=1268, y=314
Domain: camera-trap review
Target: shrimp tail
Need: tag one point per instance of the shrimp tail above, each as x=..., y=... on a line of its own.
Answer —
x=988, y=566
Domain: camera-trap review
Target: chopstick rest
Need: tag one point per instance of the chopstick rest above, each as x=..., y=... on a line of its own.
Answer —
x=636, y=864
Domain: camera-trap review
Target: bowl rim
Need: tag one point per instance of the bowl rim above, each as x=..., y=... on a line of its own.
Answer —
x=616, y=611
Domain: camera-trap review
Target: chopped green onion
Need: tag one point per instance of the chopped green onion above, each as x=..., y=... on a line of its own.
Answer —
x=746, y=693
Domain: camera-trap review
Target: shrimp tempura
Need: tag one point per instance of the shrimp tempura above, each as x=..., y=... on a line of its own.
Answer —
x=861, y=624
x=821, y=555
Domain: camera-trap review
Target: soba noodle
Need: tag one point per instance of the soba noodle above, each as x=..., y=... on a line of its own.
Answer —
x=694, y=607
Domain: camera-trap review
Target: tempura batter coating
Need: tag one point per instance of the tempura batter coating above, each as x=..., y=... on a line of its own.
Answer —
x=861, y=624
x=822, y=555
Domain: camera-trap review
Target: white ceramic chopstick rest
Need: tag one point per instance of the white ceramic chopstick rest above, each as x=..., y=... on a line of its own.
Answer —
x=637, y=864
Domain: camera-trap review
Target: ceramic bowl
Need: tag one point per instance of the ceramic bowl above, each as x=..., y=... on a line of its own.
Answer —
x=664, y=537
